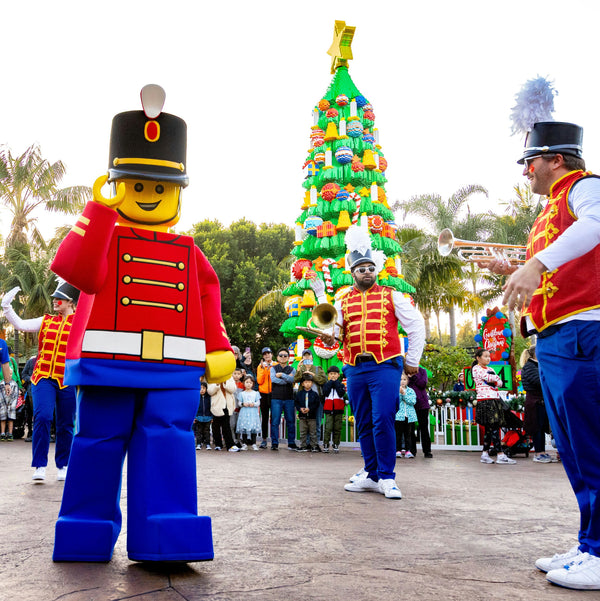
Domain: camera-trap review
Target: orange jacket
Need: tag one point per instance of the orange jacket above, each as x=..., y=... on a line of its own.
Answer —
x=263, y=377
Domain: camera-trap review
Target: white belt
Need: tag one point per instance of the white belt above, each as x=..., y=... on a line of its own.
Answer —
x=147, y=344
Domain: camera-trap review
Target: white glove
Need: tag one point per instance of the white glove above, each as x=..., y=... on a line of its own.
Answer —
x=318, y=286
x=24, y=325
x=9, y=297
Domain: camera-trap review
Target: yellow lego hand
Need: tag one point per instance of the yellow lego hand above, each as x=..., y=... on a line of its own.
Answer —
x=108, y=202
x=219, y=366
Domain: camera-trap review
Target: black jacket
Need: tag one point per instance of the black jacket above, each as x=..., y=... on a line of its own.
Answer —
x=530, y=376
x=336, y=406
x=312, y=398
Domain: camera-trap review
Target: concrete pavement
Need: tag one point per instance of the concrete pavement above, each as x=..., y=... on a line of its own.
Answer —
x=284, y=529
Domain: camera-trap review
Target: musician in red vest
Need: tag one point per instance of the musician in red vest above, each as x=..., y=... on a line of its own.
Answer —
x=50, y=393
x=559, y=285
x=367, y=324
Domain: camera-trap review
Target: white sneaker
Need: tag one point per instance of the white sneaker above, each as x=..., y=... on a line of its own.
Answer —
x=388, y=488
x=62, y=474
x=244, y=447
x=39, y=474
x=485, y=458
x=233, y=449
x=255, y=447
x=398, y=453
x=583, y=574
x=560, y=560
x=217, y=448
x=198, y=447
x=504, y=459
x=208, y=447
x=409, y=455
x=542, y=458
x=362, y=485
x=360, y=474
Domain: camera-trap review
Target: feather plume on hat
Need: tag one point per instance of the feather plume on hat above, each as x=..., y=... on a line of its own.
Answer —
x=358, y=240
x=535, y=103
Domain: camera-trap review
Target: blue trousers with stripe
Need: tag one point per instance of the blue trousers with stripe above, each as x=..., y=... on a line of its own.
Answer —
x=374, y=393
x=49, y=397
x=569, y=358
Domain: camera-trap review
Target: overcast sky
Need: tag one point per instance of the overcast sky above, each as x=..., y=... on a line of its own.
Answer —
x=441, y=76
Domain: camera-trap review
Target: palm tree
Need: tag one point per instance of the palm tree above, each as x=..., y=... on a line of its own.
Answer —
x=439, y=214
x=513, y=228
x=37, y=282
x=29, y=181
x=431, y=274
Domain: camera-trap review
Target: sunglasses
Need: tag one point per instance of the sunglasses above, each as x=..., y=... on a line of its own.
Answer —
x=529, y=160
x=370, y=269
x=282, y=355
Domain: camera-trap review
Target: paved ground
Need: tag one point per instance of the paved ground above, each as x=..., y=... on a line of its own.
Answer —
x=284, y=529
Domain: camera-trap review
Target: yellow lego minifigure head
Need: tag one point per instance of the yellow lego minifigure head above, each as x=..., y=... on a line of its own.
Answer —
x=147, y=155
x=149, y=203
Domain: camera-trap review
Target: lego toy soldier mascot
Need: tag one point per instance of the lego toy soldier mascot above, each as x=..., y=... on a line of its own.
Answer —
x=148, y=326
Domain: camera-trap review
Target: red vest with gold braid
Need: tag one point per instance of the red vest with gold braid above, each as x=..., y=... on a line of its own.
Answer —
x=575, y=286
x=370, y=324
x=52, y=348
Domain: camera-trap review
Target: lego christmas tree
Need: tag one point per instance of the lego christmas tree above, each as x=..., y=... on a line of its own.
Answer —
x=344, y=185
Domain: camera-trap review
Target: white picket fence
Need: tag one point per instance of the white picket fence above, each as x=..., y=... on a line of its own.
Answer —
x=450, y=428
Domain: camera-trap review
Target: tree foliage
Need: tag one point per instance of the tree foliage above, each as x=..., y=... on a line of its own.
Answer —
x=28, y=182
x=445, y=363
x=249, y=261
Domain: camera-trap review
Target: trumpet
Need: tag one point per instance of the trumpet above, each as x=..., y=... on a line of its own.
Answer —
x=323, y=318
x=480, y=252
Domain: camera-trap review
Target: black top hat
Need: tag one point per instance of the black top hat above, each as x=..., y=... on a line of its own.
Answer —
x=356, y=258
x=144, y=148
x=66, y=291
x=553, y=137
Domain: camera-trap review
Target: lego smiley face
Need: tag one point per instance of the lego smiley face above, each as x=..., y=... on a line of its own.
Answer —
x=150, y=203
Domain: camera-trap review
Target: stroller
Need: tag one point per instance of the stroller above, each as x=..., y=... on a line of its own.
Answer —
x=515, y=441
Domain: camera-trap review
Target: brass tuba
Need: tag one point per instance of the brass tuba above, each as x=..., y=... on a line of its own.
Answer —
x=480, y=252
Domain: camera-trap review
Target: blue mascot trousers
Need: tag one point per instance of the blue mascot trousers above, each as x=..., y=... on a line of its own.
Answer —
x=569, y=358
x=154, y=429
x=374, y=393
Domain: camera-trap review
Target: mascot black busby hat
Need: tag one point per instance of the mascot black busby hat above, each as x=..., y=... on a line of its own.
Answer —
x=553, y=137
x=148, y=144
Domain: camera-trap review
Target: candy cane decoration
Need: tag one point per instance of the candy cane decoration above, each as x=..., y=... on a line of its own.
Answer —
x=357, y=200
x=327, y=263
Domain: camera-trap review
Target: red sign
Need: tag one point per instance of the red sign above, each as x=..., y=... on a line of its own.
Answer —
x=493, y=339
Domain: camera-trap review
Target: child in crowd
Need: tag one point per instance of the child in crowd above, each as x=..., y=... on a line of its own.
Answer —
x=237, y=375
x=333, y=407
x=307, y=404
x=490, y=410
x=405, y=420
x=203, y=419
x=248, y=423
x=222, y=406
